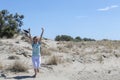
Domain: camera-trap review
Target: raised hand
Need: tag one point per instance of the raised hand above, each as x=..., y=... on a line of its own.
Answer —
x=42, y=29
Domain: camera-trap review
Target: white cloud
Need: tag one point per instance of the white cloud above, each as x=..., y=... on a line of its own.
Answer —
x=114, y=6
x=108, y=8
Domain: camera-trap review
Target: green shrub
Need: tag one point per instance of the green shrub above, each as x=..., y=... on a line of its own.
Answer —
x=77, y=39
x=9, y=23
x=63, y=38
x=69, y=38
x=88, y=39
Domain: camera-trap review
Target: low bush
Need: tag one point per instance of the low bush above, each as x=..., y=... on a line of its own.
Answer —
x=54, y=60
x=18, y=67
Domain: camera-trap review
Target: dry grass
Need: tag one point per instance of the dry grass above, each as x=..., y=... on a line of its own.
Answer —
x=54, y=60
x=45, y=51
x=18, y=67
x=1, y=66
x=69, y=45
x=100, y=59
x=13, y=57
x=63, y=49
x=117, y=54
x=53, y=49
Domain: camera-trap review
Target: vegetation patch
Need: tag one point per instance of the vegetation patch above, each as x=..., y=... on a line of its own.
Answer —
x=13, y=57
x=1, y=66
x=54, y=60
x=18, y=66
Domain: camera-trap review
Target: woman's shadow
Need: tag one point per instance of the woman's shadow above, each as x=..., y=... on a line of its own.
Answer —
x=22, y=77
x=19, y=77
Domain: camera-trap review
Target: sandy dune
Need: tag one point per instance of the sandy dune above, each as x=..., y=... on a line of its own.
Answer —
x=99, y=60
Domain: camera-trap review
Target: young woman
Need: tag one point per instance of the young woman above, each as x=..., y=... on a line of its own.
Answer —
x=36, y=56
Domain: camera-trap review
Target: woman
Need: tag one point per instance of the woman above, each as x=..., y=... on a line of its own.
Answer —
x=36, y=56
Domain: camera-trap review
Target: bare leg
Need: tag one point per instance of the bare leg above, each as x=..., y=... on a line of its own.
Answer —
x=35, y=70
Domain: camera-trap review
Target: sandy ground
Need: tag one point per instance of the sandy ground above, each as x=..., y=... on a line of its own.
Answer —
x=91, y=61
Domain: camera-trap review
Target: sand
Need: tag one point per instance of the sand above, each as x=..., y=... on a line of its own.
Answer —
x=98, y=60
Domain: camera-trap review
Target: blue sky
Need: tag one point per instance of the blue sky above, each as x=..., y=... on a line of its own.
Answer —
x=98, y=19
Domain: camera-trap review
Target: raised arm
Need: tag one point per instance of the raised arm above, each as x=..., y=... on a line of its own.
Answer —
x=30, y=36
x=41, y=35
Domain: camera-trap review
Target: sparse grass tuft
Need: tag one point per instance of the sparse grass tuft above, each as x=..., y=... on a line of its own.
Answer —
x=13, y=57
x=18, y=67
x=63, y=49
x=69, y=45
x=45, y=52
x=100, y=59
x=54, y=60
x=1, y=66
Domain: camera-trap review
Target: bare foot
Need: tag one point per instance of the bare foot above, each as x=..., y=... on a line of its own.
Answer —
x=34, y=76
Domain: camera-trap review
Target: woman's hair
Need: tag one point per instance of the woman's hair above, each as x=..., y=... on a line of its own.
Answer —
x=34, y=37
